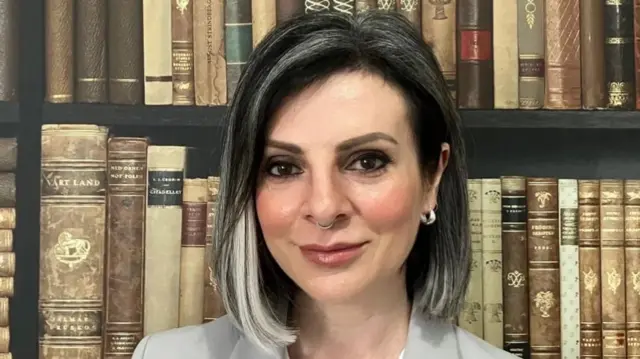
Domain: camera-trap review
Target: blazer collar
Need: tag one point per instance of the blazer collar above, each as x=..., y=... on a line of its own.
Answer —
x=426, y=339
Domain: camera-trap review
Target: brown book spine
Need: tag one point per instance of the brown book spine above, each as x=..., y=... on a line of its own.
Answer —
x=208, y=50
x=632, y=265
x=589, y=263
x=72, y=240
x=411, y=9
x=562, y=56
x=531, y=47
x=91, y=51
x=9, y=51
x=126, y=206
x=263, y=15
x=366, y=5
x=619, y=58
x=514, y=262
x=238, y=40
x=544, y=267
x=213, y=307
x=126, y=69
x=182, y=52
x=636, y=30
x=385, y=5
x=439, y=30
x=612, y=268
x=59, y=64
x=287, y=9
x=594, y=94
x=475, y=61
x=8, y=154
x=7, y=189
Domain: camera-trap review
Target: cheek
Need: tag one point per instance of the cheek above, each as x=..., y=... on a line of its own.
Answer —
x=391, y=206
x=277, y=211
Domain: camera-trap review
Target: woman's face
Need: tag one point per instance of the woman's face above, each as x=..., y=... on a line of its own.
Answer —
x=342, y=152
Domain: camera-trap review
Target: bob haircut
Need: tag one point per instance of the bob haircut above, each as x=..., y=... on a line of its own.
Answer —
x=256, y=293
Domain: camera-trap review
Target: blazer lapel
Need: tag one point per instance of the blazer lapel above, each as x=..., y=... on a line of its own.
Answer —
x=245, y=349
x=431, y=339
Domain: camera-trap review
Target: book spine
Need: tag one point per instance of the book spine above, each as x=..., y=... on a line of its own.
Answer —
x=316, y=6
x=165, y=178
x=632, y=265
x=589, y=262
x=439, y=30
x=72, y=240
x=59, y=64
x=385, y=5
x=8, y=154
x=9, y=50
x=619, y=54
x=192, y=255
x=636, y=38
x=544, y=267
x=238, y=40
x=612, y=268
x=213, y=307
x=364, y=5
x=287, y=9
x=158, y=89
x=569, y=270
x=492, y=261
x=126, y=52
x=594, y=94
x=91, y=51
x=514, y=262
x=208, y=51
x=531, y=47
x=182, y=53
x=475, y=60
x=505, y=54
x=263, y=15
x=411, y=9
x=7, y=189
x=126, y=206
x=562, y=55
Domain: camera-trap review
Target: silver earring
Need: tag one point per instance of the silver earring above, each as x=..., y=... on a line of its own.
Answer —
x=428, y=220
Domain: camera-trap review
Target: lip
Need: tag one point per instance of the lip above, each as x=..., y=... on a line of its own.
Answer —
x=335, y=255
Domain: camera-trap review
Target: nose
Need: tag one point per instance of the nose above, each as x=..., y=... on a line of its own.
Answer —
x=326, y=202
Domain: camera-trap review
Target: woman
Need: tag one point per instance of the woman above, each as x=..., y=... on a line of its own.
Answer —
x=342, y=224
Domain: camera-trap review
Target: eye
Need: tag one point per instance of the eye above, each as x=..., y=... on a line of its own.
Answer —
x=370, y=162
x=282, y=169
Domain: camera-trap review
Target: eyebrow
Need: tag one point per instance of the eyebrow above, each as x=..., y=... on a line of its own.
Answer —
x=344, y=146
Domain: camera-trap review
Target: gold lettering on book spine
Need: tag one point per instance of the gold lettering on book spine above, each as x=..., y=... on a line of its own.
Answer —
x=619, y=93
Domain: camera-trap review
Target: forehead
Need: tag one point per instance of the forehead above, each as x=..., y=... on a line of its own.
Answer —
x=347, y=104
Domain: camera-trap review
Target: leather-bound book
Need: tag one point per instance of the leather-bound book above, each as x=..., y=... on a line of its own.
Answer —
x=208, y=53
x=165, y=178
x=492, y=261
x=632, y=265
x=287, y=9
x=316, y=6
x=344, y=6
x=182, y=53
x=411, y=9
x=594, y=94
x=59, y=49
x=439, y=31
x=470, y=318
x=7, y=218
x=475, y=58
x=531, y=46
x=192, y=257
x=612, y=268
x=126, y=206
x=505, y=54
x=544, y=267
x=589, y=252
x=91, y=74
x=213, y=307
x=263, y=15
x=385, y=5
x=9, y=52
x=7, y=189
x=158, y=86
x=8, y=154
x=562, y=55
x=636, y=37
x=6, y=240
x=126, y=52
x=515, y=289
x=362, y=5
x=569, y=270
x=72, y=240
x=238, y=39
x=619, y=54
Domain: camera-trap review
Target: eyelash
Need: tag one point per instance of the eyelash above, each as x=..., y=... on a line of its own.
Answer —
x=363, y=155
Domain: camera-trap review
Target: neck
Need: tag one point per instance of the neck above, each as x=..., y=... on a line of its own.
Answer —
x=373, y=325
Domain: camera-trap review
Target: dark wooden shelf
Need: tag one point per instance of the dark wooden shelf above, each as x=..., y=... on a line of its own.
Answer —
x=9, y=112
x=133, y=115
x=583, y=119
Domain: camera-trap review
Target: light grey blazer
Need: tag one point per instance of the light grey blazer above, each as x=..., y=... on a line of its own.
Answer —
x=222, y=340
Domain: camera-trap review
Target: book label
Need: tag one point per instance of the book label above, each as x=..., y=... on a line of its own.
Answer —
x=165, y=188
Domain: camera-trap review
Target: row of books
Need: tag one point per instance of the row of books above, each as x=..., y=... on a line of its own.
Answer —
x=8, y=164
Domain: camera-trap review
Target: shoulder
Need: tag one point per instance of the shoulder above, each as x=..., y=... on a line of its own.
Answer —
x=213, y=340
x=472, y=347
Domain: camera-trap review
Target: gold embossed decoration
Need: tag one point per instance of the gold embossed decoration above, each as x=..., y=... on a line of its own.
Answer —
x=316, y=5
x=386, y=5
x=530, y=11
x=182, y=5
x=544, y=301
x=344, y=6
x=590, y=280
x=439, y=9
x=613, y=280
x=71, y=249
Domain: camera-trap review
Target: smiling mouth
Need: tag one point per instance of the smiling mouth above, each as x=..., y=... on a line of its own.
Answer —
x=336, y=255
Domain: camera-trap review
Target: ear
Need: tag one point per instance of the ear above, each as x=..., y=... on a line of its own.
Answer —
x=432, y=182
